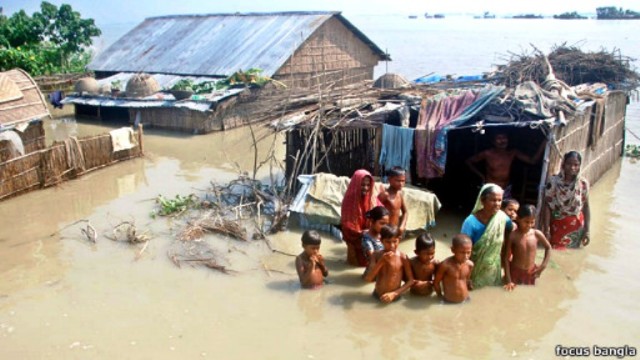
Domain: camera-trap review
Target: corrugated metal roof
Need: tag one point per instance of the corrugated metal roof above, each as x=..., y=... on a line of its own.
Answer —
x=215, y=44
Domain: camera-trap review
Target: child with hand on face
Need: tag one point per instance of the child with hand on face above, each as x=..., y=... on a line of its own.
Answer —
x=310, y=264
x=455, y=272
x=424, y=265
x=389, y=267
x=523, y=245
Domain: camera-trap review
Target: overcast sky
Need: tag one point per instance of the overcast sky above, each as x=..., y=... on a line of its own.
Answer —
x=125, y=11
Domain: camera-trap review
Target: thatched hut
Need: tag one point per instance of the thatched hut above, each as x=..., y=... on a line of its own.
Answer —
x=434, y=146
x=391, y=81
x=22, y=108
x=300, y=50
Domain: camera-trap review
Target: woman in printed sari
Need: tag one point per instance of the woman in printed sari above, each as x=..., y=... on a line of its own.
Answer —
x=488, y=227
x=358, y=199
x=567, y=215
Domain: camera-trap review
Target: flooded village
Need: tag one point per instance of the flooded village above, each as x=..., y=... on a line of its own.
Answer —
x=154, y=207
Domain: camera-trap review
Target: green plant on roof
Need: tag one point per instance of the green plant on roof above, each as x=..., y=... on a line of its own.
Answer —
x=116, y=85
x=205, y=87
x=249, y=77
x=183, y=85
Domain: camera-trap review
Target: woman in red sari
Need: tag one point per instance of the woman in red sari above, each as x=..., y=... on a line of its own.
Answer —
x=567, y=214
x=358, y=199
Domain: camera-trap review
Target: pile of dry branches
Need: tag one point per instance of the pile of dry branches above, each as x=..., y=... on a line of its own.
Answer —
x=571, y=65
x=243, y=209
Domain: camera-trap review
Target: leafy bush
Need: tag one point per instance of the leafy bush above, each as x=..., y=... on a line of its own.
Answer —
x=54, y=40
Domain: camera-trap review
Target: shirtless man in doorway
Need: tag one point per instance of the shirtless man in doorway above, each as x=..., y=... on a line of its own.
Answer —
x=498, y=160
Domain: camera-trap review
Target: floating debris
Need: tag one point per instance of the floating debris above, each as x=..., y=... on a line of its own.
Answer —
x=126, y=231
x=174, y=207
x=90, y=232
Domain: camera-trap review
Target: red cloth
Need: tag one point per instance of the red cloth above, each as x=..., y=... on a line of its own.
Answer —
x=523, y=277
x=567, y=232
x=352, y=218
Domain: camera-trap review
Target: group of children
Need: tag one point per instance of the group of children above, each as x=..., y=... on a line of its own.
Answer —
x=394, y=272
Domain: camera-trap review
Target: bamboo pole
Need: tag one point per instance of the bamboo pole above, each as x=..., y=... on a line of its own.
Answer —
x=140, y=142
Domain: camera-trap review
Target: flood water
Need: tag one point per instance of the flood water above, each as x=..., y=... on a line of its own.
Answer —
x=62, y=297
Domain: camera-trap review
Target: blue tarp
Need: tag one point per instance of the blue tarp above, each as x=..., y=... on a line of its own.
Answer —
x=435, y=78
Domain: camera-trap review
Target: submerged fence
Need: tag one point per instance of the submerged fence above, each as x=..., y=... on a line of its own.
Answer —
x=62, y=161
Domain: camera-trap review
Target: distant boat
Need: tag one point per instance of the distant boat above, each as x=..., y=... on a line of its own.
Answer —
x=527, y=16
x=413, y=16
x=569, y=16
x=438, y=16
x=428, y=16
x=486, y=15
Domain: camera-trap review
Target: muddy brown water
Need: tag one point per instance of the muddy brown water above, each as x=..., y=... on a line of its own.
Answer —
x=63, y=298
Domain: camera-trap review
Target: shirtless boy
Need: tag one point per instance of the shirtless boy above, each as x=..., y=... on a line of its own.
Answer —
x=310, y=264
x=388, y=267
x=498, y=161
x=392, y=199
x=523, y=244
x=455, y=272
x=424, y=265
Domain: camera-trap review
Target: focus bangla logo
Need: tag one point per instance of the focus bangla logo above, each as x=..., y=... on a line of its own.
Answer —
x=619, y=352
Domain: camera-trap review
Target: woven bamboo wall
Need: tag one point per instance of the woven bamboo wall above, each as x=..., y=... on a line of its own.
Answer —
x=60, y=162
x=175, y=118
x=598, y=158
x=333, y=50
x=339, y=151
x=340, y=77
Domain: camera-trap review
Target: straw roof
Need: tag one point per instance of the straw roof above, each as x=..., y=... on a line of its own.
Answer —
x=391, y=81
x=86, y=84
x=141, y=85
x=20, y=98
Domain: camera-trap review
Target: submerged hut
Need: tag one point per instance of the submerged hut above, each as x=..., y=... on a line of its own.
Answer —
x=25, y=161
x=297, y=50
x=565, y=101
x=22, y=108
x=443, y=128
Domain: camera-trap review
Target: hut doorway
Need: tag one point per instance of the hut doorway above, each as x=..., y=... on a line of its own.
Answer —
x=458, y=189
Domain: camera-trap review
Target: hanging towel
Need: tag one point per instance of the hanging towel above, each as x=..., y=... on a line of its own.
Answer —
x=55, y=99
x=122, y=139
x=397, y=144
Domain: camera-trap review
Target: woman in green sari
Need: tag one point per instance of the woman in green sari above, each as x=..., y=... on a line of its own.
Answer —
x=488, y=228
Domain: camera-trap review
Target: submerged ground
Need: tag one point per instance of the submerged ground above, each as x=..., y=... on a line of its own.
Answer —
x=63, y=297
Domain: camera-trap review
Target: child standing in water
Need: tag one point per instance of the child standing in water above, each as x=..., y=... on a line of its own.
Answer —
x=310, y=264
x=523, y=244
x=392, y=198
x=379, y=217
x=510, y=207
x=424, y=265
x=389, y=267
x=455, y=272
